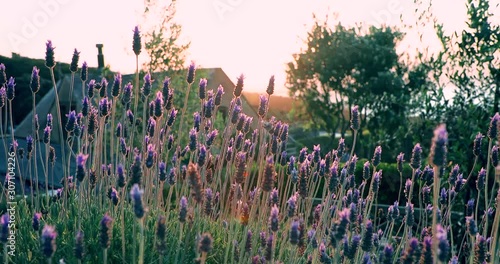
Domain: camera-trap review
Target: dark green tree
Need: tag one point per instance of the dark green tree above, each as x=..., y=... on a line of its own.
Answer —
x=470, y=62
x=343, y=67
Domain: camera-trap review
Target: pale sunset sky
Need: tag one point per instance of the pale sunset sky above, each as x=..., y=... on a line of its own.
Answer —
x=253, y=37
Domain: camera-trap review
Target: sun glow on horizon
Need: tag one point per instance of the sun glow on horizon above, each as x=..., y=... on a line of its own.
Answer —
x=256, y=38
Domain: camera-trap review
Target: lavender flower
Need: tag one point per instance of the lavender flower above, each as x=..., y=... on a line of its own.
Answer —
x=11, y=91
x=183, y=210
x=292, y=205
x=470, y=207
x=52, y=155
x=208, y=108
x=294, y=232
x=168, y=95
x=202, y=92
x=117, y=83
x=269, y=174
x=73, y=67
x=334, y=177
x=443, y=197
x=262, y=239
x=49, y=55
x=245, y=215
x=195, y=182
x=416, y=157
x=162, y=171
x=239, y=86
x=84, y=72
x=80, y=166
x=399, y=160
x=270, y=86
x=412, y=252
x=303, y=182
x=311, y=238
x=161, y=233
x=428, y=175
x=377, y=156
x=35, y=80
x=387, y=255
x=471, y=225
x=355, y=119
x=480, y=249
x=46, y=134
x=207, y=208
x=123, y=146
x=104, y=107
x=136, y=195
x=4, y=228
x=71, y=123
x=342, y=223
x=37, y=124
x=476, y=150
x=494, y=156
x=410, y=216
x=480, y=182
x=273, y=219
x=191, y=73
x=366, y=170
x=205, y=244
x=218, y=95
x=426, y=257
x=493, y=129
x=241, y=160
x=158, y=102
x=408, y=185
x=3, y=75
x=171, y=118
x=439, y=146
x=136, y=43
x=323, y=255
x=377, y=178
x=106, y=231
x=29, y=144
x=85, y=106
x=79, y=249
x=248, y=242
x=316, y=153
x=127, y=92
x=269, y=247
x=353, y=247
x=48, y=241
x=151, y=127
x=136, y=169
x=283, y=158
x=393, y=211
x=366, y=259
x=351, y=166
x=367, y=240
x=170, y=142
x=115, y=198
x=193, y=139
x=443, y=245
x=103, y=88
x=241, y=121
x=3, y=96
x=263, y=106
x=146, y=87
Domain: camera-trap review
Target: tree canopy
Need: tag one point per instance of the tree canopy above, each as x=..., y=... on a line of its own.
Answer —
x=342, y=67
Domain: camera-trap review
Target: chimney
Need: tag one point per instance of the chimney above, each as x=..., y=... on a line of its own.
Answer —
x=100, y=56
